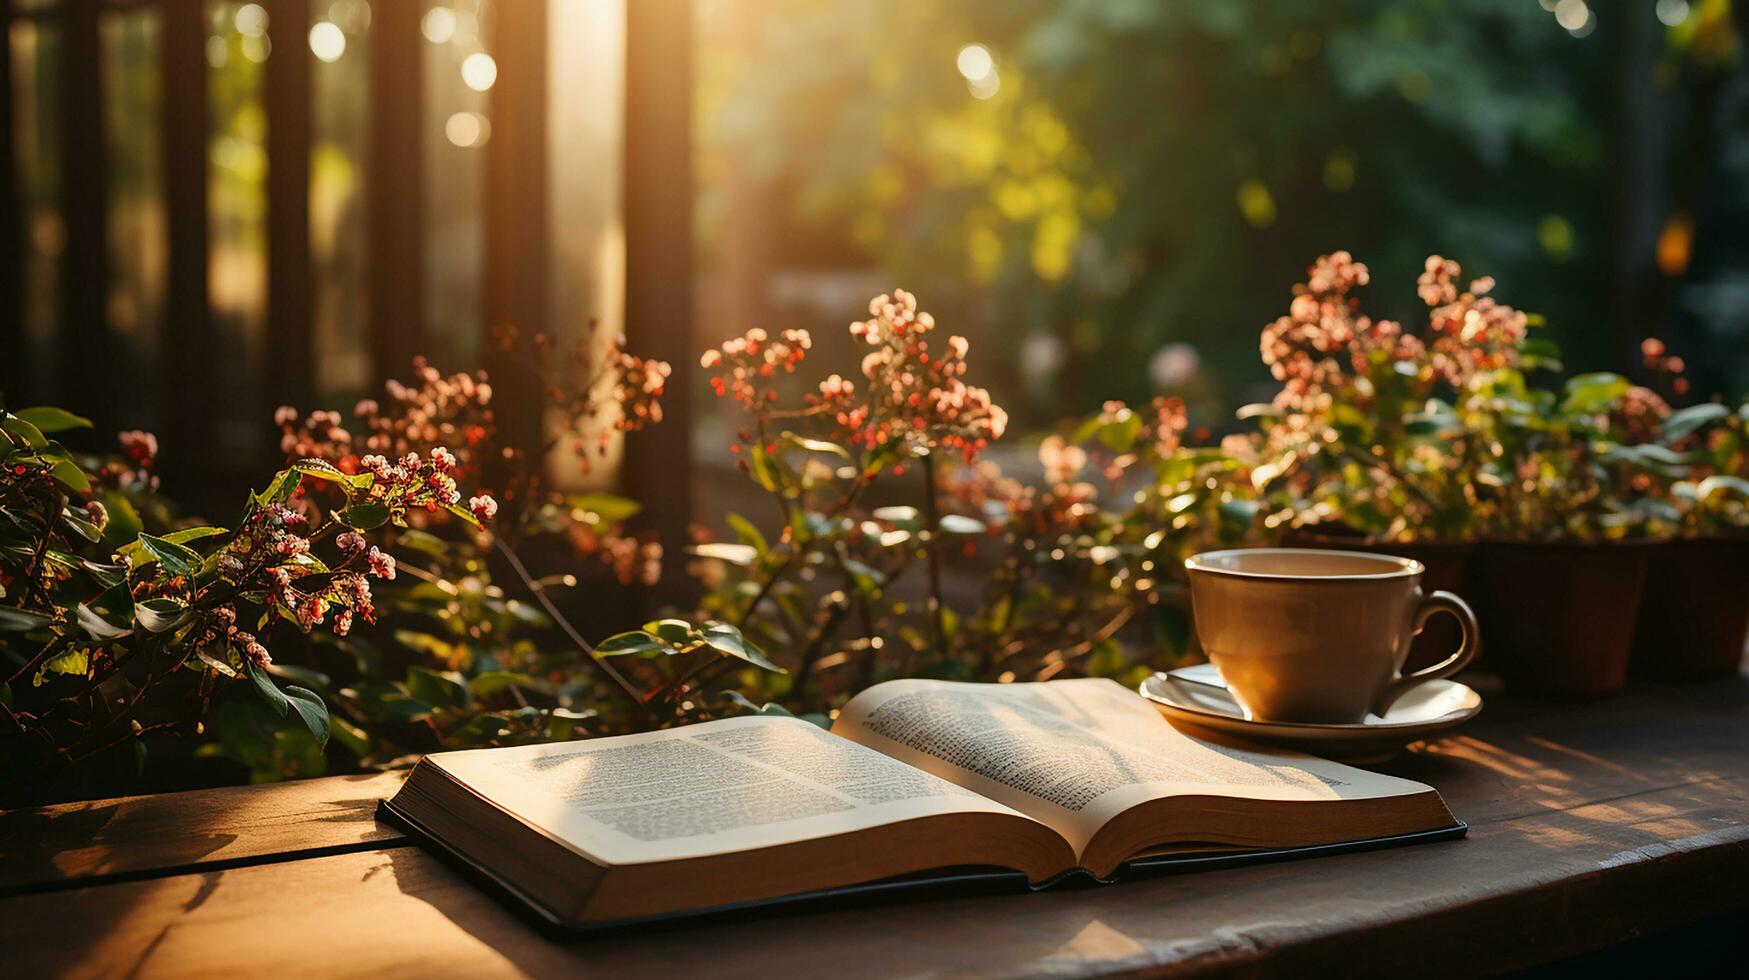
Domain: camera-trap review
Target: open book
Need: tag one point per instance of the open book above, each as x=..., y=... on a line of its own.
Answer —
x=915, y=776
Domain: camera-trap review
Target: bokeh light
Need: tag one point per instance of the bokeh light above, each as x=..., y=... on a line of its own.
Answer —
x=251, y=20
x=467, y=129
x=1572, y=14
x=975, y=62
x=479, y=71
x=1671, y=12
x=438, y=25
x=327, y=41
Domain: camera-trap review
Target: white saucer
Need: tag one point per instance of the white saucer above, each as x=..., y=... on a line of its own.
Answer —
x=1198, y=697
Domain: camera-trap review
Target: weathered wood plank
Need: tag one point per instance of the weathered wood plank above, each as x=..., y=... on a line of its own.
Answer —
x=137, y=835
x=1519, y=892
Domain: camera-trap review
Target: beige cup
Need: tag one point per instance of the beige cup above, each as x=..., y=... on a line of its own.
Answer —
x=1307, y=635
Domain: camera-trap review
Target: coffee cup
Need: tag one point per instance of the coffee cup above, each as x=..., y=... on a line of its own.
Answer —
x=1309, y=635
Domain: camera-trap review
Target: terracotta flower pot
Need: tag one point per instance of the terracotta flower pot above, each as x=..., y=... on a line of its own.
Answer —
x=1445, y=561
x=1558, y=617
x=1694, y=616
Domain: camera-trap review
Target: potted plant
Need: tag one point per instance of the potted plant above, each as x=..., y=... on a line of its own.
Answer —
x=1570, y=516
x=1367, y=449
x=1694, y=615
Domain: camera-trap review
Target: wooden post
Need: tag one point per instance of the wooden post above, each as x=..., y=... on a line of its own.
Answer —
x=658, y=223
x=290, y=333
x=395, y=195
x=90, y=379
x=187, y=332
x=518, y=244
x=13, y=367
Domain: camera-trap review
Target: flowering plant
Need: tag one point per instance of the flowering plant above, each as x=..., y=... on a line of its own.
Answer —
x=117, y=632
x=880, y=490
x=1440, y=434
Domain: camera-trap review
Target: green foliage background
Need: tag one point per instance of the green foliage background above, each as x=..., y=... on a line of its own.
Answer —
x=1153, y=172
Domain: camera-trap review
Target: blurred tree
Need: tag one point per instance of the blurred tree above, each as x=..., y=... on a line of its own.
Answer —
x=1095, y=181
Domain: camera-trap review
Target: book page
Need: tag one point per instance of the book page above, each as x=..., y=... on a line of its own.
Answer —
x=722, y=786
x=1073, y=754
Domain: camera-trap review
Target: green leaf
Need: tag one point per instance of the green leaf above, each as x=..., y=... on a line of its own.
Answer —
x=14, y=620
x=270, y=695
x=365, y=515
x=321, y=469
x=726, y=639
x=671, y=630
x=161, y=615
x=1588, y=394
x=74, y=662
x=1540, y=353
x=300, y=674
x=280, y=488
x=495, y=681
x=70, y=475
x=632, y=643
x=176, y=559
x=765, y=470
x=356, y=739
x=446, y=689
x=813, y=445
x=311, y=711
x=1684, y=421
x=747, y=533
x=81, y=524
x=1721, y=483
x=47, y=418
x=135, y=551
x=1241, y=512
x=868, y=579
x=28, y=433
x=215, y=662
x=734, y=554
x=606, y=506
x=465, y=514
x=745, y=706
x=97, y=626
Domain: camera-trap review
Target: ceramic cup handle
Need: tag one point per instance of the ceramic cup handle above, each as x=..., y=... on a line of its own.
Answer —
x=1431, y=605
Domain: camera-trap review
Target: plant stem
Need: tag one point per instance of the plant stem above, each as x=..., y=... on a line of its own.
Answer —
x=817, y=645
x=43, y=656
x=540, y=596
x=931, y=522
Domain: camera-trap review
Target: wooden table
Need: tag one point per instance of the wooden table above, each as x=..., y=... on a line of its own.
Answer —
x=1590, y=825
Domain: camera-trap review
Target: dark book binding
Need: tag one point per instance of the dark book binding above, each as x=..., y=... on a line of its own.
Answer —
x=942, y=882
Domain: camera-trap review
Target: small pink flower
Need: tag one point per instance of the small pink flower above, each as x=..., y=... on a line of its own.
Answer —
x=291, y=545
x=141, y=447
x=350, y=542
x=382, y=565
x=483, y=506
x=442, y=459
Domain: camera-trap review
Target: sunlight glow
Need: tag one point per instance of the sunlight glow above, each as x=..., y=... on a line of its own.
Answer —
x=327, y=41
x=479, y=71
